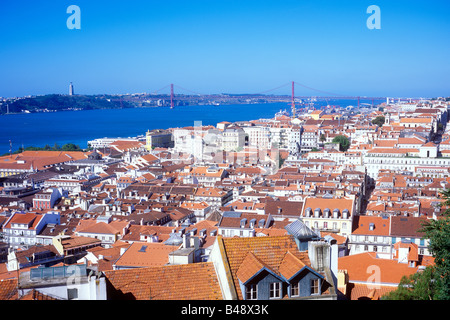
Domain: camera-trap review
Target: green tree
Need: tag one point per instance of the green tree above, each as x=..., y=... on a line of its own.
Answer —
x=70, y=147
x=379, y=121
x=343, y=141
x=322, y=138
x=434, y=282
x=418, y=286
x=438, y=231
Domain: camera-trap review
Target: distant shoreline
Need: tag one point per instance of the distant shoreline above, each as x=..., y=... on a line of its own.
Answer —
x=57, y=103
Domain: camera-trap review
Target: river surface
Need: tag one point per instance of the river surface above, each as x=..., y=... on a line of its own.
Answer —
x=78, y=127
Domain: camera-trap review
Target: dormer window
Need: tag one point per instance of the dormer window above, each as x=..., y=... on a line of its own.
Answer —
x=317, y=212
x=315, y=286
x=275, y=290
x=345, y=214
x=295, y=292
x=261, y=223
x=251, y=292
x=308, y=212
x=335, y=213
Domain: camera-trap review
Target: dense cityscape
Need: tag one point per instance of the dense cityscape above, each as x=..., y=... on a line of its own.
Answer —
x=314, y=203
x=225, y=158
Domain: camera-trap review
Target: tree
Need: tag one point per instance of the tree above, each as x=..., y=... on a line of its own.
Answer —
x=379, y=121
x=434, y=282
x=322, y=138
x=438, y=231
x=418, y=286
x=343, y=141
x=70, y=147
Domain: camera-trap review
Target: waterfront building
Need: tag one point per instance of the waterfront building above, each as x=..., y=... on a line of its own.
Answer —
x=158, y=139
x=101, y=143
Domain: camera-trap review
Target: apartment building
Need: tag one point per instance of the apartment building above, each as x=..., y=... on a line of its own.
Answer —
x=21, y=228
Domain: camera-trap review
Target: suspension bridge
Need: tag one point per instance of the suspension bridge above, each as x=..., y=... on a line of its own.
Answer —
x=290, y=94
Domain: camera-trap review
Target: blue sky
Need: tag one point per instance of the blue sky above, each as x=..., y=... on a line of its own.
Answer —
x=219, y=46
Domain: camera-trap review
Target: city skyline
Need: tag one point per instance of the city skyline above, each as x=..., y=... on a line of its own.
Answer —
x=225, y=47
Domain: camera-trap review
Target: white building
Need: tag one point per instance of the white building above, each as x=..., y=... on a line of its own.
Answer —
x=258, y=136
x=295, y=140
x=105, y=142
x=404, y=160
x=233, y=138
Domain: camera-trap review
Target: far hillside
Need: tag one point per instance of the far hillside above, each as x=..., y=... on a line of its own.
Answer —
x=55, y=102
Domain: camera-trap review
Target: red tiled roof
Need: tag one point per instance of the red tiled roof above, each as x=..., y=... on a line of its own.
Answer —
x=25, y=218
x=380, y=226
x=358, y=291
x=195, y=281
x=270, y=251
x=249, y=267
x=143, y=254
x=366, y=267
x=8, y=289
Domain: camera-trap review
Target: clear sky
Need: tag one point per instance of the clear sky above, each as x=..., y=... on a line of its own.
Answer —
x=225, y=46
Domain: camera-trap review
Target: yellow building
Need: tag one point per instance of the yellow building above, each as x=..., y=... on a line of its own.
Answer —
x=158, y=139
x=330, y=214
x=316, y=114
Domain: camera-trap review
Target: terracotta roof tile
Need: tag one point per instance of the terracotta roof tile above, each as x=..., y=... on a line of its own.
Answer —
x=196, y=281
x=249, y=267
x=8, y=289
x=290, y=265
x=407, y=226
x=36, y=295
x=143, y=254
x=363, y=225
x=360, y=268
x=358, y=291
x=269, y=250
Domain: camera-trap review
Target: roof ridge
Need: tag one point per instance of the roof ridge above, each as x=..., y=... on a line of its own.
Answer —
x=226, y=264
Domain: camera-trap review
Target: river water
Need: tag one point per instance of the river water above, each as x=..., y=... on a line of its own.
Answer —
x=78, y=127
